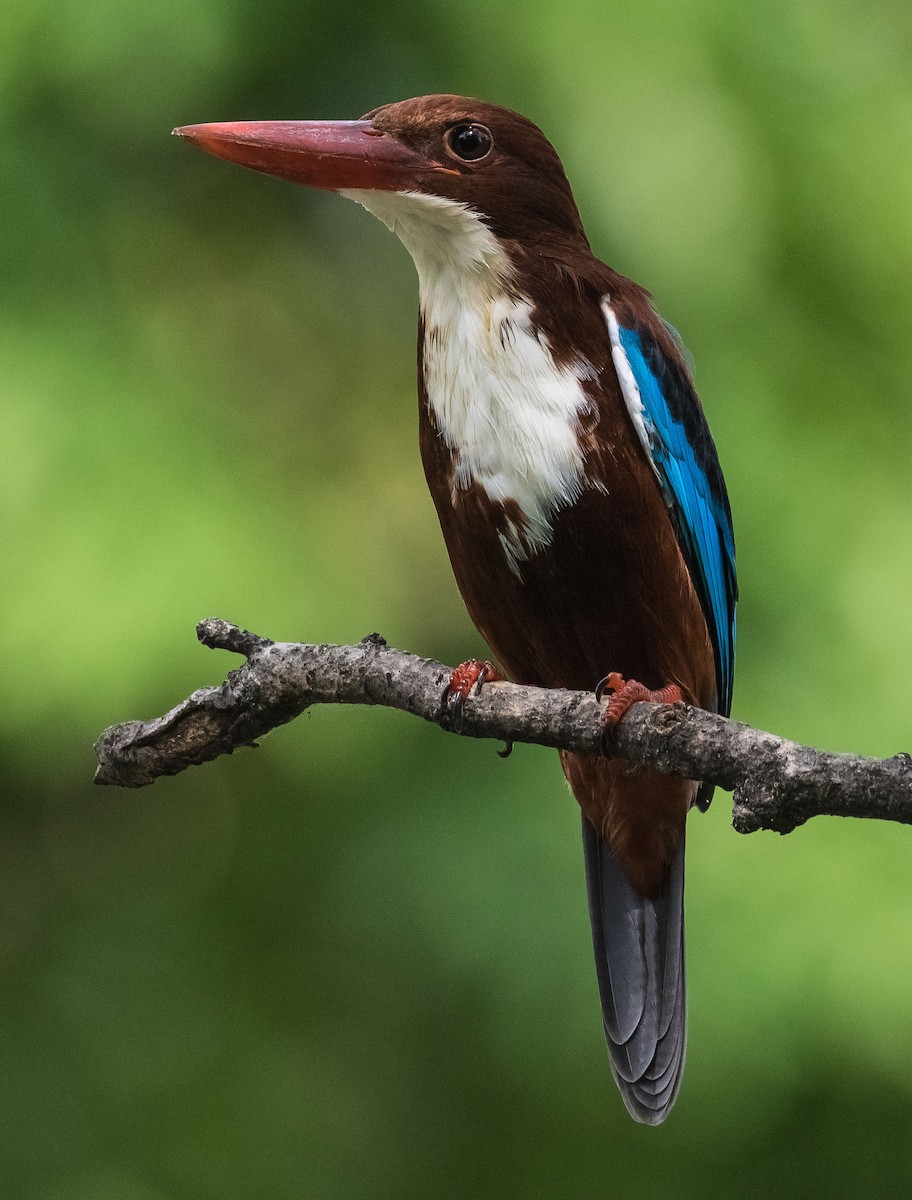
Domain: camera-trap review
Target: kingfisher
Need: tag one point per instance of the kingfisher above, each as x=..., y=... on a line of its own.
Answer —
x=577, y=487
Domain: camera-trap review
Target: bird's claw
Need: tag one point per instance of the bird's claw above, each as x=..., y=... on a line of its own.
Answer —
x=469, y=676
x=626, y=693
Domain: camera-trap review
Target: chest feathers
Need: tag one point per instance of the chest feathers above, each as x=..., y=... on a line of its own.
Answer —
x=508, y=413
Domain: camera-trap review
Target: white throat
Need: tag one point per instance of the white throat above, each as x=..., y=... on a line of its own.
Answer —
x=508, y=412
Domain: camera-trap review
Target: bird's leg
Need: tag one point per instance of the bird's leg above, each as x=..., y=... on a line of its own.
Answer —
x=628, y=692
x=469, y=676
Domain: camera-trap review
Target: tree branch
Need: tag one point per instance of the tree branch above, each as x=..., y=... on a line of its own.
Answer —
x=777, y=784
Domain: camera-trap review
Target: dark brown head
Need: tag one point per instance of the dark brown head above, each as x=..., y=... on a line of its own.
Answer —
x=488, y=158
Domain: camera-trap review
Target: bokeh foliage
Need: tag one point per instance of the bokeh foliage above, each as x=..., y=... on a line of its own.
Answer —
x=356, y=963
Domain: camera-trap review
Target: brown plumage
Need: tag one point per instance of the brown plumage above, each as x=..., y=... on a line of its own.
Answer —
x=611, y=591
x=572, y=556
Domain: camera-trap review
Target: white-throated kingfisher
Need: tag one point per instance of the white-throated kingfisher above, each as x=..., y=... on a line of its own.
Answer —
x=577, y=486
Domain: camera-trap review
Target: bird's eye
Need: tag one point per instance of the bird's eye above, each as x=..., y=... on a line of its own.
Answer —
x=469, y=142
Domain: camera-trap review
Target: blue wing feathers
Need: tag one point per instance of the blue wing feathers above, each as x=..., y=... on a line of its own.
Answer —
x=685, y=460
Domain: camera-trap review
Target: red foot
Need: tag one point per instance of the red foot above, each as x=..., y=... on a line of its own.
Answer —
x=628, y=692
x=469, y=675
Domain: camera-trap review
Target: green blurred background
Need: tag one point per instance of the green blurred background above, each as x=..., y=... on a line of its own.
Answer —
x=356, y=963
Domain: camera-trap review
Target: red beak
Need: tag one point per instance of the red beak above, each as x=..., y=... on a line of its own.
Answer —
x=321, y=154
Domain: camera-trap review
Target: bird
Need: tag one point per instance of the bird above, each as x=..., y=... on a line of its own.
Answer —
x=577, y=487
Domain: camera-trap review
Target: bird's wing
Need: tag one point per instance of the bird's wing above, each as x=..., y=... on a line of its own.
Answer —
x=670, y=424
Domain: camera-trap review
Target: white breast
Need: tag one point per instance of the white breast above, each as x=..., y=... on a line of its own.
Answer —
x=509, y=413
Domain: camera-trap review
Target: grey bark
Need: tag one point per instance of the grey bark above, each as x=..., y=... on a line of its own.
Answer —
x=777, y=784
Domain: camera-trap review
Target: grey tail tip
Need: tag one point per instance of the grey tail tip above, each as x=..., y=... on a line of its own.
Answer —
x=639, y=960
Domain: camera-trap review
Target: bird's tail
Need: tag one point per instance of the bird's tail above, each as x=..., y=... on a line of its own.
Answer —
x=639, y=960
